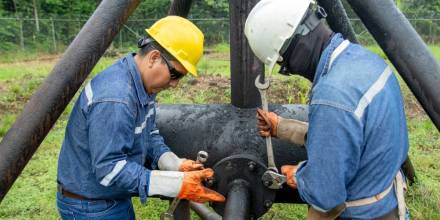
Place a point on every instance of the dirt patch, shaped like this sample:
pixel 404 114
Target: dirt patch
pixel 2 88
pixel 211 88
pixel 211 55
pixel 44 59
pixel 413 108
pixel 3 91
pixel 217 89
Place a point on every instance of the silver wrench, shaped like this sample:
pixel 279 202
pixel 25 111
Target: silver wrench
pixel 202 157
pixel 271 178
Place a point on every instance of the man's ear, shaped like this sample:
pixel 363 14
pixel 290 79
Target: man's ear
pixel 152 57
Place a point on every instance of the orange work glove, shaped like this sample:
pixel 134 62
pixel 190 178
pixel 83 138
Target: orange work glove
pixel 267 123
pixel 190 165
pixel 192 188
pixel 290 172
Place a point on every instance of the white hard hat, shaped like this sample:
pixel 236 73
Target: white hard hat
pixel 270 23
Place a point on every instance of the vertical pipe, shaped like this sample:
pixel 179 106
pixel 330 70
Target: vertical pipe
pixel 405 49
pixel 337 19
pixel 180 8
pixel 182 211
pixel 238 201
pixel 46 105
pixel 244 64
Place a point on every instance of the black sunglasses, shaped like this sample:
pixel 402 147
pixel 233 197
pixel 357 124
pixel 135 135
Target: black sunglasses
pixel 174 74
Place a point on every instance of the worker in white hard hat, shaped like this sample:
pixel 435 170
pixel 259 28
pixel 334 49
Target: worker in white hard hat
pixel 356 136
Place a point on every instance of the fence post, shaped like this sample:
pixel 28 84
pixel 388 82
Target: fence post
pixel 431 39
pixel 53 34
pixel 20 21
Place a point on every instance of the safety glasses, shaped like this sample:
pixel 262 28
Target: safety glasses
pixel 174 74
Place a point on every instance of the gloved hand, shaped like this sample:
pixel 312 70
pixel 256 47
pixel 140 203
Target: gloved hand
pixel 170 161
pixel 190 165
pixel 290 172
pixel 267 123
pixel 192 188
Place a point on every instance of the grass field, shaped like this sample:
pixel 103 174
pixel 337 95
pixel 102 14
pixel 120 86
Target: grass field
pixel 33 194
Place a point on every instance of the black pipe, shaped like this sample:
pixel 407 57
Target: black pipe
pixel 405 49
pixel 238 201
pixel 180 8
pixel 223 131
pixel 337 19
pixel 182 211
pixel 245 66
pixel 46 105
pixel 204 212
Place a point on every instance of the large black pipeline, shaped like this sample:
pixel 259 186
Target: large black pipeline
pixel 223 131
pixel 46 105
pixel 337 19
pixel 405 49
pixel 238 201
pixel 245 66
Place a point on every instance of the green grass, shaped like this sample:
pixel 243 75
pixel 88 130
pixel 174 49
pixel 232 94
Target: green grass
pixel 33 194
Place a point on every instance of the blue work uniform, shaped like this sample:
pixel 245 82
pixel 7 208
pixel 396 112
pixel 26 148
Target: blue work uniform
pixel 110 136
pixel 357 138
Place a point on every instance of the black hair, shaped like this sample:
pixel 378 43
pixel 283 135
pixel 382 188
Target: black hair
pixel 147 44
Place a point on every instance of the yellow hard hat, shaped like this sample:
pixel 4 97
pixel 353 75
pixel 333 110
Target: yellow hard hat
pixel 181 38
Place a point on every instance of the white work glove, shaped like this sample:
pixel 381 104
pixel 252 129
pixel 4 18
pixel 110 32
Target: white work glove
pixel 170 161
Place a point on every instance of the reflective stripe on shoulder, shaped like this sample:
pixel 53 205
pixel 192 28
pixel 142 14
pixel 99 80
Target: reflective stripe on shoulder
pixel 155 131
pixel 89 93
pixel 338 51
pixel 139 129
pixel 372 92
pixel 116 169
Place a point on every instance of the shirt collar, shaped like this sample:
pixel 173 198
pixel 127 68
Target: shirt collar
pixel 324 61
pixel 143 96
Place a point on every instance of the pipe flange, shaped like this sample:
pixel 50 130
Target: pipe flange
pixel 250 169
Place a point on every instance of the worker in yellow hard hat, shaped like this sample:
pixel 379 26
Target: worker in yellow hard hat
pixel 112 149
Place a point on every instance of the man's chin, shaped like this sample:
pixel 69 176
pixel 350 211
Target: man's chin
pixel 155 91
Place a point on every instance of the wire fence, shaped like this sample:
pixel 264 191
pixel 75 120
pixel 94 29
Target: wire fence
pixel 54 34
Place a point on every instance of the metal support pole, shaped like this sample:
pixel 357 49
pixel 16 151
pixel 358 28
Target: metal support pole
pixel 46 105
pixel 405 49
pixel 20 20
pixel 182 211
pixel 337 19
pixel 244 64
pixel 180 8
pixel 238 201
pixel 54 41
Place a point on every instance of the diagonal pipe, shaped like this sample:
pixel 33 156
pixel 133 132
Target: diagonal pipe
pixel 405 49
pixel 47 104
pixel 338 19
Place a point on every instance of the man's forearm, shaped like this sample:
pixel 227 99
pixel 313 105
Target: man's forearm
pixel 292 130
